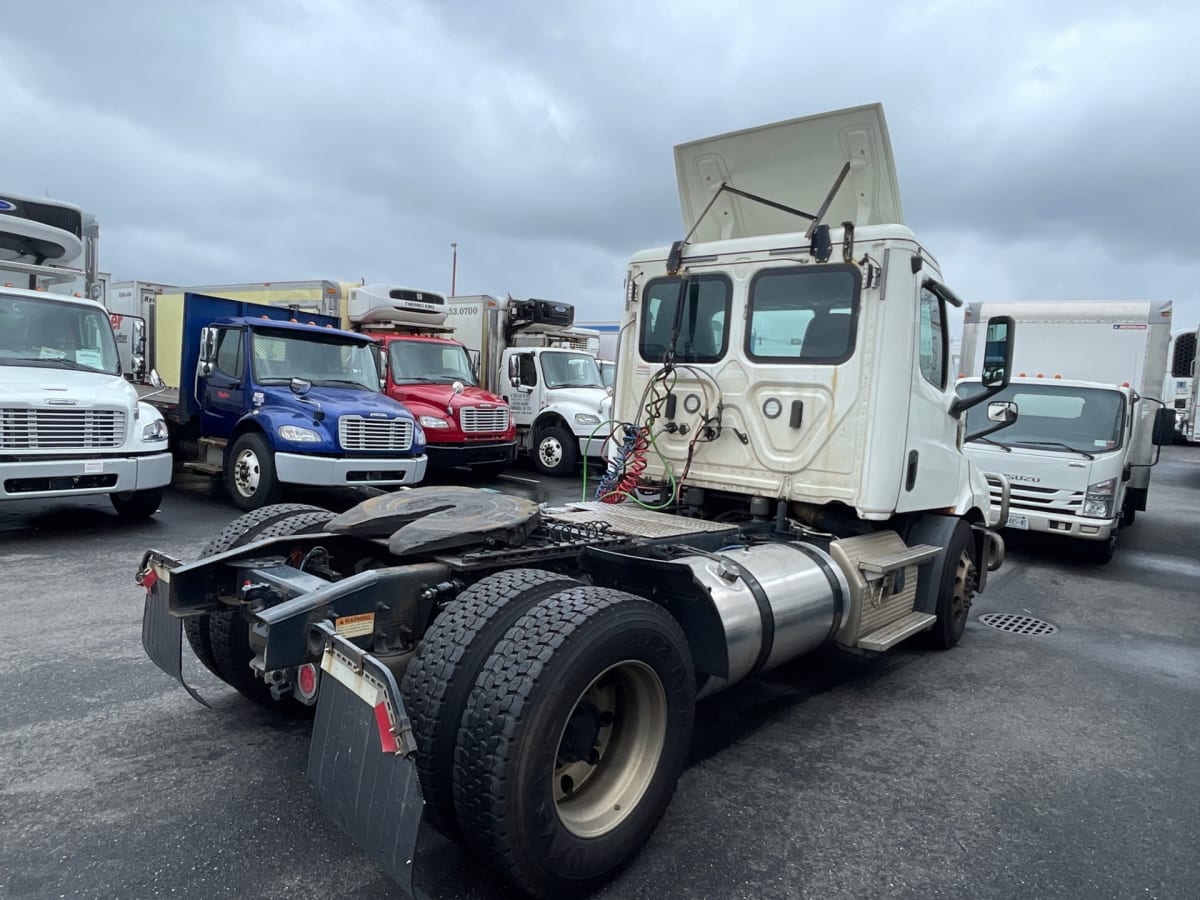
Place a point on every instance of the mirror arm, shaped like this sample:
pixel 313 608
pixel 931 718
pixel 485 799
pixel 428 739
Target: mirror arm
pixel 991 429
pixel 962 404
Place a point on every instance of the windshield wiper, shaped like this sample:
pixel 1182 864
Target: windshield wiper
pixel 1058 444
pixel 357 384
pixel 988 440
pixel 417 380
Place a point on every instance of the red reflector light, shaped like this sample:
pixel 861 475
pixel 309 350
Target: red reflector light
pixel 306 680
pixel 387 740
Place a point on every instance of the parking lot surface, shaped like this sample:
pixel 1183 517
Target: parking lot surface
pixel 1063 765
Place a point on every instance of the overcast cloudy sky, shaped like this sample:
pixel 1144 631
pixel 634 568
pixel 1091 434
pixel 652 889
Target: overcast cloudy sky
pixel 1043 149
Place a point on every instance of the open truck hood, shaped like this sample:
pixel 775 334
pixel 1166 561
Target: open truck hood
pixel 795 163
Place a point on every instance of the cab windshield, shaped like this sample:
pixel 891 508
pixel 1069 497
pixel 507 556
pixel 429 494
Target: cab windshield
pixel 428 362
pixel 565 369
pixel 1054 416
pixel 279 356
pixel 53 334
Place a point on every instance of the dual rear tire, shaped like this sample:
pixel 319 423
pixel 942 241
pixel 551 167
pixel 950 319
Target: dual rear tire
pixel 568 710
pixel 221 639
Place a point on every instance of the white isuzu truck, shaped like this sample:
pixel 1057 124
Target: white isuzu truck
pixel 530 353
pixel 524 678
pixel 70 424
pixel 1089 391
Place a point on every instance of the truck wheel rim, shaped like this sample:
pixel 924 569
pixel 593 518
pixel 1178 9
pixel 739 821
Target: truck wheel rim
pixel 609 748
pixel 964 591
pixel 246 472
pixel 551 451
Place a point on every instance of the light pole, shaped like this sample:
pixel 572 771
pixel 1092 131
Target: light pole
pixel 453 267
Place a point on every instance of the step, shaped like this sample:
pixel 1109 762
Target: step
pixel 212 442
pixel 875 567
pixel 202 468
pixel 890 635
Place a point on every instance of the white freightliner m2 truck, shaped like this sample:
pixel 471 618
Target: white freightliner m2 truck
pixel 70 424
pixel 1089 392
pixel 524 678
pixel 531 354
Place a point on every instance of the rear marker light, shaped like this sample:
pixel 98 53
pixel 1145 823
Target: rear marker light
pixel 306 681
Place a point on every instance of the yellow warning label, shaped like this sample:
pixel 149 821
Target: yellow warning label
pixel 355 626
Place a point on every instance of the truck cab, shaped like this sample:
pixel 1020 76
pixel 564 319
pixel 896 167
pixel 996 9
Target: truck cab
pixel 70 424
pixel 465 425
pixel 557 393
pixel 435 377
pixel 1067 458
pixel 777 358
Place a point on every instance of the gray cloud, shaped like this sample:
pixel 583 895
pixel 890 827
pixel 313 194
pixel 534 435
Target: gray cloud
pixel 1043 149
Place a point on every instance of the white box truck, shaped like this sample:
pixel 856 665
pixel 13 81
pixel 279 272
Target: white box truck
pixel 70 424
pixel 1088 387
pixel 529 352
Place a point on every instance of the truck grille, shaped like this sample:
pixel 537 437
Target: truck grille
pixel 63 429
pixel 1040 499
pixel 476 419
pixel 357 433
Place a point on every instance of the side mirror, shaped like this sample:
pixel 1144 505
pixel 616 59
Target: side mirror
pixel 1163 434
pixel 1001 414
pixel 514 371
pixel 998 352
pixel 208 344
pixel 997 363
pixel 300 386
pixel 1002 411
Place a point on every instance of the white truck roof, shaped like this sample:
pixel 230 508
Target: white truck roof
pixel 796 163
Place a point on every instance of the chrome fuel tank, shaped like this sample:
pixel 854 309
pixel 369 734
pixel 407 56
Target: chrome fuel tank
pixel 776 602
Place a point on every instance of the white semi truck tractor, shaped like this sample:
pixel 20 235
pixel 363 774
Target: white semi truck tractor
pixel 524 678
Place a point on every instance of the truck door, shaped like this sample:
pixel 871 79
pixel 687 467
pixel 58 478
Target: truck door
pixel 931 460
pixel 523 401
pixel 222 395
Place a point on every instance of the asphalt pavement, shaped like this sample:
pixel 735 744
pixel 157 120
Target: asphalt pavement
pixel 1063 765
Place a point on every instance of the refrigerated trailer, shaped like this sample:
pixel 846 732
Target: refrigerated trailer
pixel 1089 390
pixel 523 678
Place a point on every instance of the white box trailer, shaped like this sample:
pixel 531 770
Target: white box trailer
pixel 1089 382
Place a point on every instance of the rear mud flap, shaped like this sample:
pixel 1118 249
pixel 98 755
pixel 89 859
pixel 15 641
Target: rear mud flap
pixel 162 635
pixel 374 796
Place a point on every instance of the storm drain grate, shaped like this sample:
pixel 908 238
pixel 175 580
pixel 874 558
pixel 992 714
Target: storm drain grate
pixel 1015 624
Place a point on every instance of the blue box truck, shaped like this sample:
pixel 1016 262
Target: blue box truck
pixel 265 396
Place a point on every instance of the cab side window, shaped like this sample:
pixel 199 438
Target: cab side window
pixel 934 341
pixel 229 352
pixel 528 369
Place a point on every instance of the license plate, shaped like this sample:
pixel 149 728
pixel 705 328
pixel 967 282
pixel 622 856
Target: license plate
pixel 1016 520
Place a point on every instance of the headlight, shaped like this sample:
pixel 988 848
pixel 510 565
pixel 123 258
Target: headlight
pixel 1098 503
pixel 298 435
pixel 586 419
pixel 155 431
pixel 433 422
pixel 419 435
